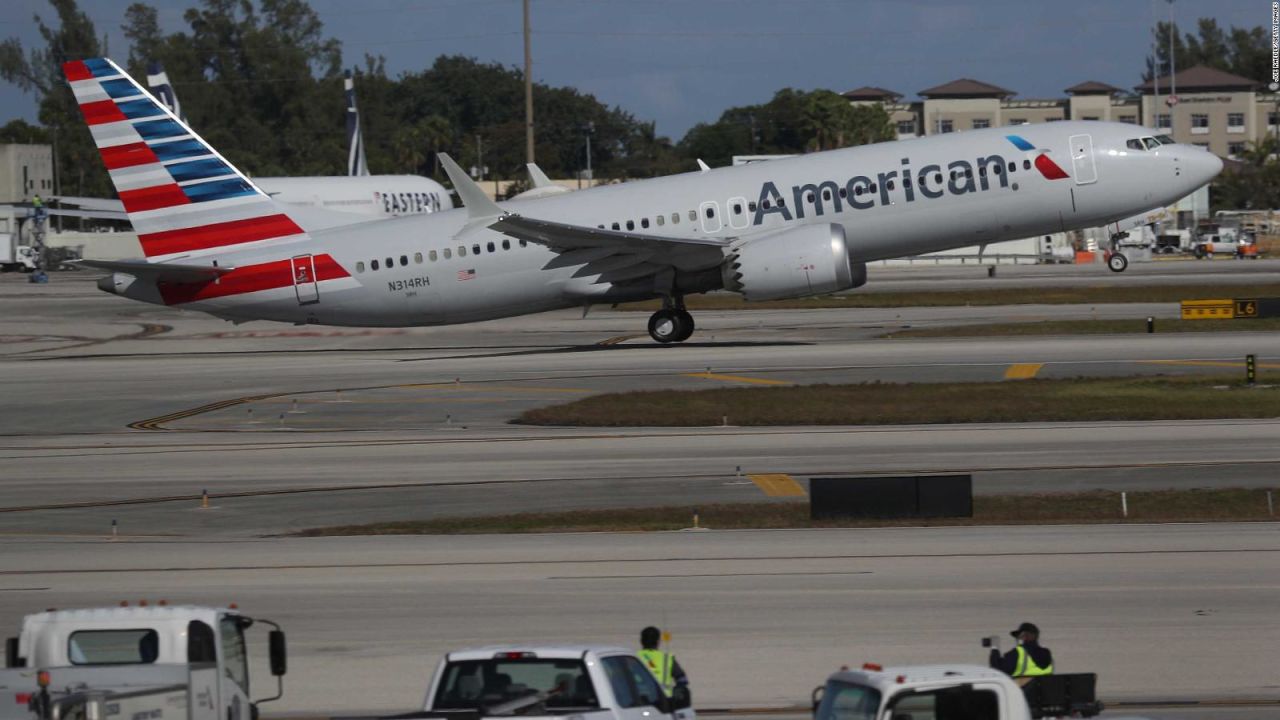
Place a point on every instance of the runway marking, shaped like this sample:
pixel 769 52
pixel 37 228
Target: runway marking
pixel 778 485
pixel 1022 371
pixel 737 379
pixel 755 559
pixel 1209 363
pixel 705 575
pixel 617 340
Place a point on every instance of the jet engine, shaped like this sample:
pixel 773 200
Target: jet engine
pixel 803 261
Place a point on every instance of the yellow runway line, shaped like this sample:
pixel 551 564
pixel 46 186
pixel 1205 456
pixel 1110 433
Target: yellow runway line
pixel 1022 371
pixel 736 378
pixel 778 485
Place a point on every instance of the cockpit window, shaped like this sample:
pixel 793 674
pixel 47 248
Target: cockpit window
pixel 1151 143
pixel 1164 140
pixel 1134 144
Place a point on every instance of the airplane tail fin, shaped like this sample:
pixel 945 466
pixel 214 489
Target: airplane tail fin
pixel 158 81
pixel 356 163
pixel 184 199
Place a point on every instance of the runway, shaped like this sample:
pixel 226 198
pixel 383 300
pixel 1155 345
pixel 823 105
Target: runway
pixel 1172 612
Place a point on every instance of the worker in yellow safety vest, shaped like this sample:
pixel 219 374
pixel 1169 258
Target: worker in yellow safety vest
pixel 663 665
pixel 1028 658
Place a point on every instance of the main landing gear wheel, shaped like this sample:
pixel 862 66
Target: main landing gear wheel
pixel 668 326
pixel 1117 262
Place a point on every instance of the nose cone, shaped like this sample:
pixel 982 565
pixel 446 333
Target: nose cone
pixel 1202 165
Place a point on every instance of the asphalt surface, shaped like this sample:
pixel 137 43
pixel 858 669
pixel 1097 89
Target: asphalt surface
pixel 1168 612
pixel 114 411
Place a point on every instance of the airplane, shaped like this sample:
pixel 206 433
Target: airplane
pixel 356 192
pixel 214 241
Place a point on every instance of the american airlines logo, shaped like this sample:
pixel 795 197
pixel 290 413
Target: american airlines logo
pixel 862 192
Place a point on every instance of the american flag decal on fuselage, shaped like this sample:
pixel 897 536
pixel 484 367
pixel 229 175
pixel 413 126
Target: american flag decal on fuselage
pixel 183 198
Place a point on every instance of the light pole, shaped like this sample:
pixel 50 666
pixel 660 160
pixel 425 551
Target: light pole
pixel 1173 69
pixel 528 87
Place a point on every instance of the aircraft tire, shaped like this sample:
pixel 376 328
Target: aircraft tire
pixel 686 325
pixel 1117 262
pixel 665 326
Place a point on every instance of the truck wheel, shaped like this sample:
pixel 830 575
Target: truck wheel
pixel 1117 262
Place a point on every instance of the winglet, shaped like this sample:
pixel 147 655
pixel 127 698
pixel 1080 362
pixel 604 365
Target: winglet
pixel 703 167
pixel 479 206
pixel 537 177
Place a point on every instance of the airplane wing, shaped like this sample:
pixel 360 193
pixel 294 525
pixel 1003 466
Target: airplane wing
pixel 163 272
pixel 563 236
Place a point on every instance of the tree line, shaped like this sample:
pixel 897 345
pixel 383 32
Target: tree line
pixel 262 82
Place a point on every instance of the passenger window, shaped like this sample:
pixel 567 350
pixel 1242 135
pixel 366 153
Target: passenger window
pixel 491 247
pixel 462 251
pixel 675 218
pixel 1026 164
pixel 1013 167
pixel 523 243
pixel 432 256
pixel 475 249
pixel 711 212
pixel 417 258
pixel 766 204
pixel 937 178
pixel 447 253
pixel 615 226
pixel 857 190
pixel 506 244
pixel 360 267
pixel 661 219
pixel 751 206
pixel 737 208
pixel 809 197
pixel 373 264
pixel 889 185
pixel 693 216
pixel 631 224
pixel 391 262
pixel 404 260
pixel 644 222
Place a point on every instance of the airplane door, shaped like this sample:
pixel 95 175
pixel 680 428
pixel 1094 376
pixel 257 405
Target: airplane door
pixel 304 279
pixel 1082 165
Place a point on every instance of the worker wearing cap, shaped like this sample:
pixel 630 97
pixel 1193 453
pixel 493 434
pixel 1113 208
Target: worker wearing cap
pixel 1027 658
pixel 662 665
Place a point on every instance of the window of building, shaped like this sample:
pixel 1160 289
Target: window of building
pixel 432 256
pixel 1204 145
pixel 1199 123
pixel 1018 121
pixel 417 258
pixel 360 267
pixel 1131 119
pixel 1273 119
pixel 1235 122
pixel 1162 120
pixel 1090 117
pixel 1053 119
pixel 906 127
pixel 981 123
pixel 1235 148
pixel 945 126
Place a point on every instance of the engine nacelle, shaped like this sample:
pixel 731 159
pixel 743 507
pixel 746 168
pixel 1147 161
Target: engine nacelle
pixel 803 261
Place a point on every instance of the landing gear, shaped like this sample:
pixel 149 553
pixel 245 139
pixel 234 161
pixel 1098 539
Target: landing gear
pixel 1117 262
pixel 671 324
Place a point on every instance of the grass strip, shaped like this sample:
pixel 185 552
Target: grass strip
pixel 1088 327
pixel 1080 295
pixel 1078 399
pixel 1098 506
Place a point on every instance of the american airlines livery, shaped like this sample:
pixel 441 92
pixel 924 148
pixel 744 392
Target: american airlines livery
pixel 215 242
pixel 356 192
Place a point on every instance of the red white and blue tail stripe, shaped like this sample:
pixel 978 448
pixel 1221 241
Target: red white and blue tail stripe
pixel 183 198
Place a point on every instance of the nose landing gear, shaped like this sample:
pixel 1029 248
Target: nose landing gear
pixel 672 323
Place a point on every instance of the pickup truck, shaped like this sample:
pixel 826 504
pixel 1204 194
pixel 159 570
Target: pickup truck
pixel 951 692
pixel 156 662
pixel 589 682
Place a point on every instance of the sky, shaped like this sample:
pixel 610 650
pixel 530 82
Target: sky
pixel 681 62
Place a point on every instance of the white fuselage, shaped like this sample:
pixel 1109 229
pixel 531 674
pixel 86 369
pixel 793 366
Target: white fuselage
pixel 436 268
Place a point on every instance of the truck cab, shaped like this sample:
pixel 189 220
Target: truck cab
pixel 585 681
pixel 130 649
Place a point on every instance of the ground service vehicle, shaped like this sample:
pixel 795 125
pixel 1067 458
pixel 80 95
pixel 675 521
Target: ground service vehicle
pixel 585 681
pixel 130 663
pixel 951 692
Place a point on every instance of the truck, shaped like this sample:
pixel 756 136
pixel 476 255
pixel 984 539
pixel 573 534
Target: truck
pixel 154 662
pixel 952 692
pixel 587 682
pixel 15 257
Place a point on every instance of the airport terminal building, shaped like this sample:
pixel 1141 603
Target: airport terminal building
pixel 1210 108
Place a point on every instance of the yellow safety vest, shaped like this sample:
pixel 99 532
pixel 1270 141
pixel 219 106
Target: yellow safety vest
pixel 1027 667
pixel 660 665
